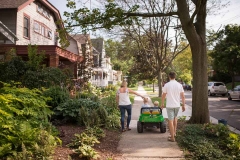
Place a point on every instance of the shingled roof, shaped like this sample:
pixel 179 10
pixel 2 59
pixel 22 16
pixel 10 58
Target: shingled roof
pixel 11 3
pixel 98 44
pixel 81 38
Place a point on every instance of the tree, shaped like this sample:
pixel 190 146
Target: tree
pixel 226 53
pixel 193 23
pixel 182 65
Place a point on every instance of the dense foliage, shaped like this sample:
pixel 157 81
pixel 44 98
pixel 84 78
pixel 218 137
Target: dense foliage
pixel 32 74
pixel 209 142
pixel 226 53
pixel 25 130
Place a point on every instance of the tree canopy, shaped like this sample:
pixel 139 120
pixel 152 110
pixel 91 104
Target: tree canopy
pixel 226 53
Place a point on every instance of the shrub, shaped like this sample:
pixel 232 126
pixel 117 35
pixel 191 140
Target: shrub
pixel 12 70
pixel 209 141
pixel 95 131
pixel 25 130
pixel 78 110
pixel 82 144
pixel 57 94
pixel 86 95
pixel 45 77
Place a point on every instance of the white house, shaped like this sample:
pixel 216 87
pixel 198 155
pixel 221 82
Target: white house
pixel 103 74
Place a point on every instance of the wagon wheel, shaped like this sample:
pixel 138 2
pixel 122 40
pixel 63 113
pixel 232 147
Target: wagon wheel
pixel 163 127
pixel 139 127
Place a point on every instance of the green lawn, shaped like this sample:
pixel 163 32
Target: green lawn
pixel 229 85
pixel 132 98
pixel 133 88
pixel 158 99
pixel 148 88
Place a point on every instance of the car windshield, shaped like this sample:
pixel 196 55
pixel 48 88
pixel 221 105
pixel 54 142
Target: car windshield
pixel 218 84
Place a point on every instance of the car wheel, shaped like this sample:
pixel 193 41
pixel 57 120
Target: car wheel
pixel 163 127
pixel 139 127
pixel 229 97
pixel 209 93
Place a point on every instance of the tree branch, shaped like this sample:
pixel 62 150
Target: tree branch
pixel 196 11
pixel 150 14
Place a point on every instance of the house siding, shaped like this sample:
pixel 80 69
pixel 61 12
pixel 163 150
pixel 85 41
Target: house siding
pixel 73 47
pixel 35 38
pixel 8 18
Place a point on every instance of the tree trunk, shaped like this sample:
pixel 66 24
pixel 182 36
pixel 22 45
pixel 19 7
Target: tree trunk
pixel 233 81
pixel 200 112
pixel 196 35
pixel 160 84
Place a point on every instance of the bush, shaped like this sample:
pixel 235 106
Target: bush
pixel 209 141
pixel 78 110
pixel 58 96
pixel 45 77
pixel 12 70
pixel 25 129
pixel 82 144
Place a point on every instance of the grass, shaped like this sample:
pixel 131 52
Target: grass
pixel 229 85
pixel 131 96
pixel 133 88
pixel 148 88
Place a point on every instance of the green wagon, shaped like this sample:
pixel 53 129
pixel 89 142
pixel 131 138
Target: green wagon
pixel 150 117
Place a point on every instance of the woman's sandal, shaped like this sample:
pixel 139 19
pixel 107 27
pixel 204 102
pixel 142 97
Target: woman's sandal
pixel 170 139
pixel 123 130
pixel 128 129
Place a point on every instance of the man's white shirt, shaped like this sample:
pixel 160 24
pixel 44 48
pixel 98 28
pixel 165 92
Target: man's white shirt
pixel 173 90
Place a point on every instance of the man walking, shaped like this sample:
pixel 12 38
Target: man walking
pixel 173 91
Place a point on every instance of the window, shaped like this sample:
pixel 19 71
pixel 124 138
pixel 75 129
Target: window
pixel 26 26
pixel 219 84
pixel 49 34
pixel 42 29
pixel 37 27
pixel 39 8
pixel 43 11
pixel 48 15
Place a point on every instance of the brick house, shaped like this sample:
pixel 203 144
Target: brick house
pixel 24 22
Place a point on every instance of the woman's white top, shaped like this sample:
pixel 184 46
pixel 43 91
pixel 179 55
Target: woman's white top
pixel 123 98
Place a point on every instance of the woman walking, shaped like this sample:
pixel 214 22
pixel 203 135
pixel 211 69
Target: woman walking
pixel 124 103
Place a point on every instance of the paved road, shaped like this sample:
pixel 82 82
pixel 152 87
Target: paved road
pixel 221 108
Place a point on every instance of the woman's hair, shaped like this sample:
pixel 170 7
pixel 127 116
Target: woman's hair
pixel 124 84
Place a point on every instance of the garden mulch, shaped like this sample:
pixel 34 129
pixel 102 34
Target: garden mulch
pixel 107 149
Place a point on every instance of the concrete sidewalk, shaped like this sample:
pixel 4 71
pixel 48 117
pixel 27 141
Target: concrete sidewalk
pixel 151 144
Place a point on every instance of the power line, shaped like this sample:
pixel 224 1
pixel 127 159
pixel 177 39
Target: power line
pixel 230 19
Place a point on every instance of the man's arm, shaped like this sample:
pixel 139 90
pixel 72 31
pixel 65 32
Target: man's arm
pixel 163 100
pixel 183 101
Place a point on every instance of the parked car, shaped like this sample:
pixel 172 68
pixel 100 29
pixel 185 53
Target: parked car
pixel 234 94
pixel 217 88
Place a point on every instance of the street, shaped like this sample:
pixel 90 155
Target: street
pixel 221 108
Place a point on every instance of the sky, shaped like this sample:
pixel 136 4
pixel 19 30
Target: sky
pixel 226 15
